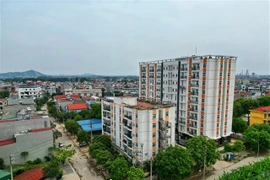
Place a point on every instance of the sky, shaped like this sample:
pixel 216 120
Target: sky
pixel 112 37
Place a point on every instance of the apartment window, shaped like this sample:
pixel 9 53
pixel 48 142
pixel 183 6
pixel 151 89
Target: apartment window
pixel 201 133
pixel 228 74
pixel 226 107
pixel 219 91
pixel 228 82
pixel 265 115
pixel 264 121
pixel 220 83
pixel 229 65
pixel 202 108
pixel 136 115
pixel 154 144
pixel 154 116
pixel 202 117
pixel 217 124
pixel 204 74
pixel 218 99
pixel 154 125
pixel 202 100
pixel 167 114
pixel 220 74
pixel 153 154
pixel 154 134
pixel 221 65
pixel 203 91
pixel 201 124
pixel 227 91
pixel 225 123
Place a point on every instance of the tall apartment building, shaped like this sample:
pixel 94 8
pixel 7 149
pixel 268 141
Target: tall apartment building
pixel 201 86
pixel 138 128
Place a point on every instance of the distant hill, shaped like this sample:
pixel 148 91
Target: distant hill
pixel 25 74
pixel 35 74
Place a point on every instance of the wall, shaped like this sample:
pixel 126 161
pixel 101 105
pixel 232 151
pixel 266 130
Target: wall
pixel 259 117
pixel 36 144
pixel 9 129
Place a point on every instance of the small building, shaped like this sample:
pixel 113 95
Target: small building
pixel 29 91
pixel 5 175
pixel 90 125
pixel 76 107
pixel 260 115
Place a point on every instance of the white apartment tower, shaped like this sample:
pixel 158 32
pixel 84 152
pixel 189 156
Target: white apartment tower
pixel 137 127
pixel 201 86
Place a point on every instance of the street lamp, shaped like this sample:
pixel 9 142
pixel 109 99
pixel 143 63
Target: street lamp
pixel 258 147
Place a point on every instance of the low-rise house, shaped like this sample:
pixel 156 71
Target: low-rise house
pixel 260 115
pixel 76 107
pixel 29 92
pixel 33 136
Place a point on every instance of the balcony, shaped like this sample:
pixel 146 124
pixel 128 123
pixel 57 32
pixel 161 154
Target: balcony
pixel 183 77
pixel 128 116
pixel 193 109
pixel 194 117
pixel 106 122
pixel 128 134
pixel 196 68
pixel 194 85
pixel 106 108
pixel 194 102
pixel 182 121
pixel 143 69
pixel 106 129
pixel 183 69
pixel 194 93
pixel 128 126
pixel 158 69
pixel 151 70
pixel 196 77
pixel 143 76
pixel 193 126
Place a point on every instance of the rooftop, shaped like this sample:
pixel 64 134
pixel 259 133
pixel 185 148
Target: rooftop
pixel 29 86
pixel 190 57
pixel 76 106
pixel 32 174
pixel 262 109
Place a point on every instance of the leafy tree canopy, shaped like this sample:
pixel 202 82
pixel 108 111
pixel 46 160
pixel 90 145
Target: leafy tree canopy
pixel 239 125
pixel 259 133
pixel 104 139
pixel 96 110
pixel 72 126
pixel 4 94
pixel 82 136
pixel 2 164
pixel 174 163
pixel 78 117
pixel 103 156
pixel 135 174
pixel 118 168
pixel 198 146
pixel 238 146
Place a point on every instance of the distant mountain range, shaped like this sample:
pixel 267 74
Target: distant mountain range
pixel 35 74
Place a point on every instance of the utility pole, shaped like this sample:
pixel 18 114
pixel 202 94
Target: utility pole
pixel 151 167
pixel 204 163
pixel 11 161
pixel 91 125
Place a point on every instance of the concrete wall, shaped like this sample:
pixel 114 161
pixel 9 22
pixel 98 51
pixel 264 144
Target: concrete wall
pixel 36 144
pixel 9 129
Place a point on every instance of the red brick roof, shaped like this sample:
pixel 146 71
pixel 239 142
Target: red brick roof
pixel 8 141
pixel 41 130
pixel 32 174
pixel 74 96
pixel 262 109
pixel 60 97
pixel 76 106
pixel 7 121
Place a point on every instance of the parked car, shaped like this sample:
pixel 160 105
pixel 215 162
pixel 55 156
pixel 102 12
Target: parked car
pixel 83 144
pixel 61 144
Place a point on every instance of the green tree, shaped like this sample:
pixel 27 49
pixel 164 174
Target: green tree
pixel 2 163
pixel 4 94
pixel 96 110
pixel 118 168
pixel 78 117
pixel 95 148
pixel 51 170
pixel 104 139
pixel 239 125
pixel 103 156
pixel 258 133
pixel 174 163
pixel 238 146
pixel 60 115
pixel 82 136
pixel 135 174
pixel 237 109
pixel 24 154
pixel 72 126
pixel 199 146
pixel 228 147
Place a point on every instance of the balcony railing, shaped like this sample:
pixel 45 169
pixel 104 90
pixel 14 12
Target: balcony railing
pixel 196 68
pixel 183 77
pixel 194 102
pixel 194 117
pixel 183 69
pixel 128 135
pixel 195 93
pixel 194 110
pixel 128 126
pixel 195 77
pixel 143 76
pixel 195 85
pixel 107 123
pixel 128 116
pixel 106 108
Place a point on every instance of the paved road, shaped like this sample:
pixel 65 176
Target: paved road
pixel 79 161
pixel 216 174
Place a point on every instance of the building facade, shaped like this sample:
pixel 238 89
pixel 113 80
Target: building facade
pixel 138 128
pixel 201 86
pixel 34 136
pixel 260 115
pixel 29 92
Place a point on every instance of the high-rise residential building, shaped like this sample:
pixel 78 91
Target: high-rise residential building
pixel 201 86
pixel 137 127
